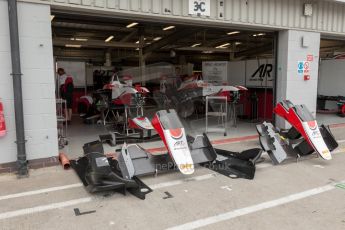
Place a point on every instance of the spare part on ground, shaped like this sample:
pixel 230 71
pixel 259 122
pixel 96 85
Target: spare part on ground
pixel 134 125
pixel 100 173
pixel 65 162
pixel 303 138
pixel 137 129
pixel 272 142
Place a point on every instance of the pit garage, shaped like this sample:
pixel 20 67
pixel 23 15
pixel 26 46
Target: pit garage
pixel 330 100
pixel 172 117
pixel 160 57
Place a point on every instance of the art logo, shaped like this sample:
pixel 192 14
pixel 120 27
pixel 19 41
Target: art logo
pixel 264 71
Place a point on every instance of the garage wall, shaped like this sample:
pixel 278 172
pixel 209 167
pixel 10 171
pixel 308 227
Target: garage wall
pixel 327 16
pixel 38 82
pixel 332 78
pixel 77 70
pixel 291 85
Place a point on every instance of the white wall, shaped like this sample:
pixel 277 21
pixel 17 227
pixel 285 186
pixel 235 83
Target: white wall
pixel 328 15
pixel 77 70
pixel 38 82
pixel 290 84
pixel 332 78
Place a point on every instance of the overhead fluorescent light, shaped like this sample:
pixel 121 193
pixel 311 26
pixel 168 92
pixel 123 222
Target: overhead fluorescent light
pixel 79 39
pixel 238 43
pixel 195 45
pixel 148 43
pixel 168 27
pixel 72 46
pixel 137 42
pixel 109 38
pixel 132 24
pixel 223 46
pixel 259 34
pixel 52 17
pixel 137 49
pixel 233 32
pixel 157 38
pixel 207 52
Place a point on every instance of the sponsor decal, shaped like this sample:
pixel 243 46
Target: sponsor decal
pixel 325 151
pixel 176 133
pixel 179 145
pixel 312 125
pixel 186 166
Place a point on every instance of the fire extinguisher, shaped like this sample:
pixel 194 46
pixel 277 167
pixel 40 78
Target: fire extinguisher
pixel 2 121
pixel 343 110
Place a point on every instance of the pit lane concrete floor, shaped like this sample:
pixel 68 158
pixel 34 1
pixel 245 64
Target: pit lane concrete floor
pixel 293 195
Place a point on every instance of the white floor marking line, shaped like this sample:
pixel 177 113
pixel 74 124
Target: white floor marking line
pixel 341 141
pixel 251 209
pixel 227 188
pixel 40 191
pixel 177 182
pixel 43 208
pixel 58 188
pixel 263 165
pixel 319 166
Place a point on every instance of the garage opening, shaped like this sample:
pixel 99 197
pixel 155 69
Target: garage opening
pixel 331 82
pixel 219 80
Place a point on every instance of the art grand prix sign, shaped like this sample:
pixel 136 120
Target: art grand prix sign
pixel 259 73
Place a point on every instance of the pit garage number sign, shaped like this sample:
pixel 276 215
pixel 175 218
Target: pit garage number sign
pixel 199 7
